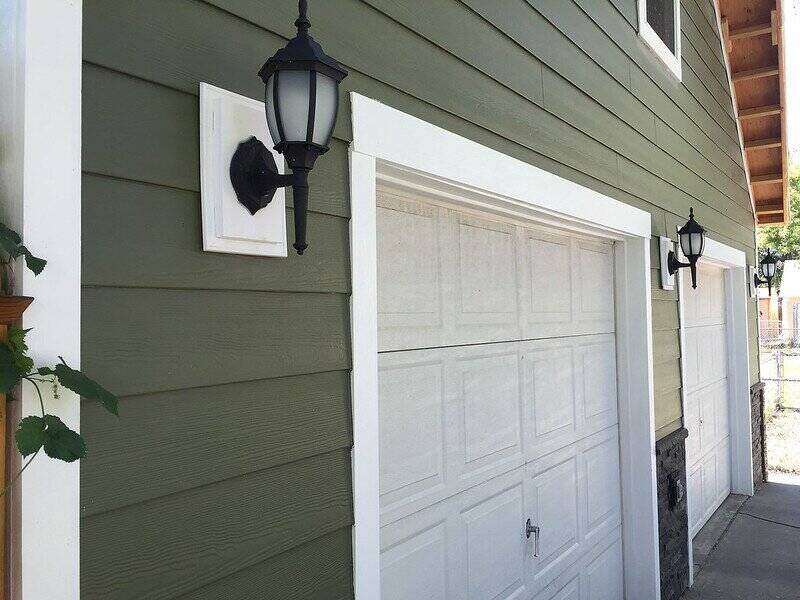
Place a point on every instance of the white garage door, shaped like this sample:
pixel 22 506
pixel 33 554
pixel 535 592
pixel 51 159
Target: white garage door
pixel 708 457
pixel 498 404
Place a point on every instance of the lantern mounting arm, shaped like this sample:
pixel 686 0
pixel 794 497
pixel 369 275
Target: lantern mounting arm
pixel 673 264
pixel 255 179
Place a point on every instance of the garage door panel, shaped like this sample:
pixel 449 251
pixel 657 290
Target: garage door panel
pixel 487 390
pixel 595 287
pixel 600 471
pixel 496 569
pixel 603 575
pixel 498 403
pixel 549 386
pixel 707 395
pixel 448 277
pixel 695 498
pixel 705 304
pixel 486 279
pixel 597 358
pixel 555 503
pixel 545 255
pixel 416 567
pixel 570 390
pixel 410 294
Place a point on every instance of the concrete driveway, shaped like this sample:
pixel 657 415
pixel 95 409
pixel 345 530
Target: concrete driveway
pixel 758 555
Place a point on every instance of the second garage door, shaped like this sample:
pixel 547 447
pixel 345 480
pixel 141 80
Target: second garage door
pixel 499 449
pixel 708 456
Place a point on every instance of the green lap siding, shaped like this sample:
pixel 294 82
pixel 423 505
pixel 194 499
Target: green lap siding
pixel 228 472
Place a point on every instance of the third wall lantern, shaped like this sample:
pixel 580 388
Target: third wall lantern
pixel 302 100
pixel 691 238
pixel 768 268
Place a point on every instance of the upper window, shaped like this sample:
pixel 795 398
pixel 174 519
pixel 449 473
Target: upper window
pixel 660 27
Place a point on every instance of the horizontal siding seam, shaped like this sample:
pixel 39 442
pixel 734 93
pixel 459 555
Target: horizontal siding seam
pixel 347 368
pixel 599 103
pixel 97 286
pixel 567 123
pixel 227 383
pixel 187 595
pixel 543 107
pixel 445 111
pixel 165 186
pixel 91 515
pixel 665 92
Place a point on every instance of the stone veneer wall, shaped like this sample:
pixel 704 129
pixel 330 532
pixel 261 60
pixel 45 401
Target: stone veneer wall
pixel 759 436
pixel 673 518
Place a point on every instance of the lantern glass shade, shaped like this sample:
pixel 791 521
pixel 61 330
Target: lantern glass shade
pixel 692 244
pixel 288 106
pixel 325 108
pixel 768 268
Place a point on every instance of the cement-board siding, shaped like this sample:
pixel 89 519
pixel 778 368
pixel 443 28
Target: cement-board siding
pixel 228 472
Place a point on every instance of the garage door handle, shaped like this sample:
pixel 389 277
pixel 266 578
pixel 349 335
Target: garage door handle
pixel 530 528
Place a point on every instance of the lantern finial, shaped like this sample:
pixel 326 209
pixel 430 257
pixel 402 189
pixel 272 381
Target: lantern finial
pixel 302 23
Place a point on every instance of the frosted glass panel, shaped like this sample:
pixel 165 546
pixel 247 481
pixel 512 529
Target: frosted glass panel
pixel 269 101
pixel 325 109
pixel 293 95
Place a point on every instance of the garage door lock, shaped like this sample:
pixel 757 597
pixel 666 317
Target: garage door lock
pixel 530 528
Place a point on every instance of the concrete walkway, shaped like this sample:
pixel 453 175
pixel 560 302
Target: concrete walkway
pixel 755 553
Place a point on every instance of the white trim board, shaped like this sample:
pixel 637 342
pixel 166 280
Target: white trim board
pixel 40 179
pixel 393 146
pixel 656 44
pixel 737 293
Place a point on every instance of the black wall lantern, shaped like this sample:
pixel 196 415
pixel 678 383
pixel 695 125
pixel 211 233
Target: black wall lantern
pixel 691 237
pixel 302 99
pixel 768 267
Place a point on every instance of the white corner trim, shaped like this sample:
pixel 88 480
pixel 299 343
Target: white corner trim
pixel 393 146
pixel 656 44
pixel 40 177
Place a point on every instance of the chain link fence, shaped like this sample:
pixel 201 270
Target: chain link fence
pixel 780 365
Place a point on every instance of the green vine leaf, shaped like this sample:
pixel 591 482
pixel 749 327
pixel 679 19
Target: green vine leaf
pixel 30 435
pixel 12 244
pixel 61 442
pixel 83 386
pixel 10 372
pixel 19 349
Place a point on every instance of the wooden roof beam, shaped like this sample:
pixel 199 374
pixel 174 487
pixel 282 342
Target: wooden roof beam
pixel 751 31
pixel 771 211
pixel 769 71
pixel 760 111
pixel 763 144
pixel 765 179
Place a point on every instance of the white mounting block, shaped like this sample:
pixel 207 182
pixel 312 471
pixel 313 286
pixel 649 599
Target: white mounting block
pixel 666 245
pixel 225 120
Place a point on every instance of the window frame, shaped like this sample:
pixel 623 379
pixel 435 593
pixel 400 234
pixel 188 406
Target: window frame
pixel 655 43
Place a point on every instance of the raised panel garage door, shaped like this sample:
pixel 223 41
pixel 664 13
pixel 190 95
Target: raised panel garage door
pixel 708 457
pixel 498 405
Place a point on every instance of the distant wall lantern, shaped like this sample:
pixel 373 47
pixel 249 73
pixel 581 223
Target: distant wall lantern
pixel 691 238
pixel 302 100
pixel 768 268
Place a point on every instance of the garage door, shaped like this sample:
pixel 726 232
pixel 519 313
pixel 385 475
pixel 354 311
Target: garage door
pixel 498 408
pixel 708 456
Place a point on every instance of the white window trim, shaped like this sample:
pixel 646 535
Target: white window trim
pixel 737 294
pixel 388 144
pixel 651 38
pixel 40 123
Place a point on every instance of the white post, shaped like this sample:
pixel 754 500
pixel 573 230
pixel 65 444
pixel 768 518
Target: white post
pixel 40 170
